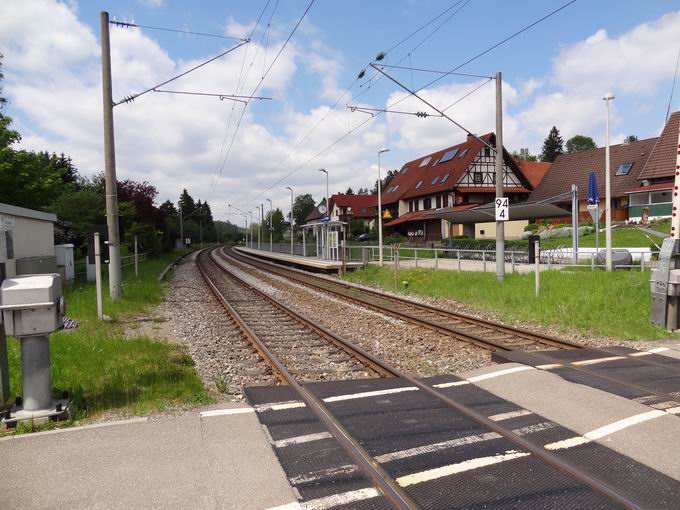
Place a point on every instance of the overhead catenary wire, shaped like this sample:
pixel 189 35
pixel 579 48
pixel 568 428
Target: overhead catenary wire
pixel 471 59
pixel 419 69
pixel 333 108
pixel 257 87
pixel 128 24
pixel 232 97
pixel 132 97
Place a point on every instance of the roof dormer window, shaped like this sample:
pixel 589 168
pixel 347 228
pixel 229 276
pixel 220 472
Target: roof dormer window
pixel 425 161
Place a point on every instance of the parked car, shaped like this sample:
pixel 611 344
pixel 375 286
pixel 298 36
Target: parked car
pixel 363 237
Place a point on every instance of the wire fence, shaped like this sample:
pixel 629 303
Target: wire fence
pixel 80 266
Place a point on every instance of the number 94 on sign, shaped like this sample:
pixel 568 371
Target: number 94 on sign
pixel 502 209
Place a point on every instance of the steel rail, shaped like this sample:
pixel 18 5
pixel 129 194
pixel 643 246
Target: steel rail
pixel 378 476
pixel 565 466
pixel 465 336
pixel 375 364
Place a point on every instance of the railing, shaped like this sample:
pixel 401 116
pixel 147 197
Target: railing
pixel 473 259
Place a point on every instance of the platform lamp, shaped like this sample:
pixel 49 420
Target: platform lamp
pixel 271 225
pixel 380 234
pixel 291 219
pixel 607 187
pixel 327 253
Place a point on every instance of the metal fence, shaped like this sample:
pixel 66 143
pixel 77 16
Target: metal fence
pixel 80 266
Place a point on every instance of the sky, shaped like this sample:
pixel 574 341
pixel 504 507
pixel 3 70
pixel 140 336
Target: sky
pixel 554 73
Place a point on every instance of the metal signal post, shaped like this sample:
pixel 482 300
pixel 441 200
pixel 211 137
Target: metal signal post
pixel 500 225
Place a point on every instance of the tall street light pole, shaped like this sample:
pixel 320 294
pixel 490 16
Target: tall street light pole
pixel 327 252
pixel 115 271
pixel 380 236
pixel 271 224
pixel 607 189
pixel 291 219
pixel 259 228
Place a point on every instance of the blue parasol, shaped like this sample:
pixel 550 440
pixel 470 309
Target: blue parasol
pixel 593 195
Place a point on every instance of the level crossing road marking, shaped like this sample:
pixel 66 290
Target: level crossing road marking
pixel 595 361
pixel 511 414
pixel 308 438
pixel 366 394
pixel 459 467
pixel 226 412
pixel 605 430
pixel 343 498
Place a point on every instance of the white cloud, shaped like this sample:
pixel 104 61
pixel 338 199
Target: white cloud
pixel 152 3
pixel 235 29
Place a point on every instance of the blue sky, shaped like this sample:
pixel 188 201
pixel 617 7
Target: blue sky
pixel 555 73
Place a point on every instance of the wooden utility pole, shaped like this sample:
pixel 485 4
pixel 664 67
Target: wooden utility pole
pixel 500 226
pixel 115 273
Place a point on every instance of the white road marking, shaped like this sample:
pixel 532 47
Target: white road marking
pixel 499 373
pixel 340 499
pixel 366 394
pixel 549 366
pixel 450 384
pixel 435 447
pixel 606 430
pixel 658 349
pixel 595 361
pixel 673 410
pixel 459 467
pixel 288 506
pixel 282 443
pixel 641 353
pixel 322 473
pixel 279 406
pixel 225 412
pixel 509 415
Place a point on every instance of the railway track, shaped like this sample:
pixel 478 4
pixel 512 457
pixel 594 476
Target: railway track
pixel 266 323
pixel 486 334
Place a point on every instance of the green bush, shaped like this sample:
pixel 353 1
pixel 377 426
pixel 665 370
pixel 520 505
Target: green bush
pixel 532 227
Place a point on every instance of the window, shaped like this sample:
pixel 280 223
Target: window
pixel 639 199
pixel 403 170
pixel 416 204
pixel 410 206
pixel 427 203
pixel 477 177
pixel 435 162
pixel 624 169
pixel 439 201
pixel 425 162
pixel 449 155
pixel 487 152
pixel 434 181
pixel 393 188
pixel 419 184
pixel 445 178
pixel 661 197
pixel 462 154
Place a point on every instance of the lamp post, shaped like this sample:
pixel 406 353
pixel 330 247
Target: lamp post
pixel 245 216
pixel 271 224
pixel 326 251
pixel 259 227
pixel 380 236
pixel 607 187
pixel 291 219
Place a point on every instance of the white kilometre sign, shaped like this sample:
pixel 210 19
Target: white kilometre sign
pixel 502 208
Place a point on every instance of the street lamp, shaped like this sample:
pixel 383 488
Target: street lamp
pixel 260 210
pixel 291 218
pixel 607 187
pixel 380 236
pixel 328 213
pixel 270 224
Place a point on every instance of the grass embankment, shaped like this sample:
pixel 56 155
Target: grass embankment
pixel 103 369
pixel 622 237
pixel 598 303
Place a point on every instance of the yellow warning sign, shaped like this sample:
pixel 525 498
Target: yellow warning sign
pixel 387 215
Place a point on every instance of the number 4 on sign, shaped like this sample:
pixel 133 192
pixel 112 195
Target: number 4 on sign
pixel 502 209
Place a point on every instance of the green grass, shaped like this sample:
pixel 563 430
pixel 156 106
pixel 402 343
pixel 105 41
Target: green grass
pixel 101 368
pixel 622 237
pixel 606 304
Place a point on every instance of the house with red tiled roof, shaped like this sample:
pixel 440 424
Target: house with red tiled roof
pixel 627 159
pixel 456 178
pixel 361 210
pixel 652 197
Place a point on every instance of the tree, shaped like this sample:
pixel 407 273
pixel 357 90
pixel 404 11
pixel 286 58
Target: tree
pixel 630 138
pixel 302 206
pixel 385 181
pixel 525 155
pixel 349 191
pixel 580 143
pixel 186 203
pixel 553 146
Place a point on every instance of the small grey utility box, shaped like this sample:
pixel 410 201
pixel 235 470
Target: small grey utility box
pixel 32 304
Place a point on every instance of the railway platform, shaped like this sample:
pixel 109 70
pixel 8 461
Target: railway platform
pixel 308 263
